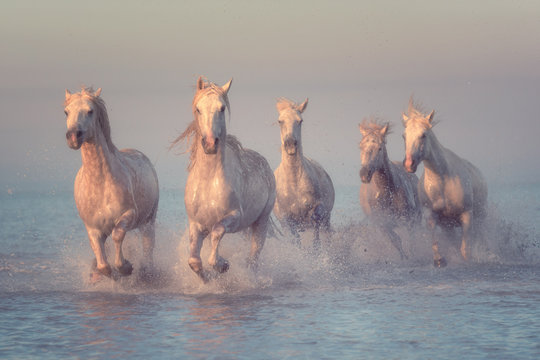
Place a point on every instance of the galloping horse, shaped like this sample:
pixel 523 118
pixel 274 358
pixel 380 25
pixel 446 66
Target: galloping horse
pixel 388 194
pixel 451 188
pixel 115 190
pixel 229 188
pixel 305 193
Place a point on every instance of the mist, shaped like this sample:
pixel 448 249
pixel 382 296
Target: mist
pixel 475 64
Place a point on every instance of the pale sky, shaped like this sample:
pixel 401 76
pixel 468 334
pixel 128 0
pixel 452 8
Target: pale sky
pixel 477 63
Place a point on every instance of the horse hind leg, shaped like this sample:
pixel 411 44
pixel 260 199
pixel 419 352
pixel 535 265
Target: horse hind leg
pixel 466 218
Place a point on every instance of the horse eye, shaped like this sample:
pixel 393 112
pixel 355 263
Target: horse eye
pixel 65 112
pixel 90 112
pixel 222 108
pixel 197 110
pixel 423 136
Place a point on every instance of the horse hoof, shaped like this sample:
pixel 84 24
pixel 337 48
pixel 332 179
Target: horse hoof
pixel 96 277
pixel 126 268
pixel 440 263
pixel 196 266
pixel 221 266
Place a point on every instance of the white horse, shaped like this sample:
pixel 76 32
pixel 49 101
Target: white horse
pixel 229 188
pixel 388 194
pixel 305 193
pixel 115 190
pixel 451 188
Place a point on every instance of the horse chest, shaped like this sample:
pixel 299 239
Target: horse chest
pixel 445 196
pixel 100 204
pixel 209 200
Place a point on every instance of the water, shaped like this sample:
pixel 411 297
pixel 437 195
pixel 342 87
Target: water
pixel 355 299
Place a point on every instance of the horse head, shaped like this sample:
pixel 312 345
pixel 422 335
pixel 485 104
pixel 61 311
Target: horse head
pixel 372 148
pixel 417 130
pixel 290 123
pixel 209 107
pixel 81 113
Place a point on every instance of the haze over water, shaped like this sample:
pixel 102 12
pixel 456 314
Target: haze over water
pixel 474 63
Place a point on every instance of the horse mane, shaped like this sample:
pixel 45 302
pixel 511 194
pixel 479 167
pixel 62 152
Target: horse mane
pixel 283 103
pixel 415 110
pixel 373 126
pixel 101 112
pixel 192 130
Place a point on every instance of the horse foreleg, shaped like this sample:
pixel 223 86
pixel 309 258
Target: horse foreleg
pixel 228 224
pixel 258 237
pixel 196 237
pixel 97 242
pixel 118 234
pixel 318 217
pixel 148 239
pixel 465 226
pixel 438 260
pixel 396 241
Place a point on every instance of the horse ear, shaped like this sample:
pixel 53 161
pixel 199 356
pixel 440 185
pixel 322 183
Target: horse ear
pixel 405 119
pixel 68 94
pixel 384 130
pixel 98 92
pixel 430 116
pixel 226 87
pixel 302 106
pixel 200 83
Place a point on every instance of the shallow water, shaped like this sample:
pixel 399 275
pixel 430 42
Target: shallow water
pixel 355 299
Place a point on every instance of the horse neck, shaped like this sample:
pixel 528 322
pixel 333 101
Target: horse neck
pixel 435 162
pixel 383 176
pixel 99 156
pixel 293 163
pixel 210 165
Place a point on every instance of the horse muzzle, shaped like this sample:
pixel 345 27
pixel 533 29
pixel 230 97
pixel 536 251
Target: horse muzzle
pixel 365 175
pixel 290 145
pixel 74 138
pixel 210 147
pixel 410 164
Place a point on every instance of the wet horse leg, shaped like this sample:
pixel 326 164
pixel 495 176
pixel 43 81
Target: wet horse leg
pixel 438 260
pixel 465 225
pixel 293 227
pixel 97 242
pixel 196 237
pixel 320 218
pixel 227 225
pixel 258 237
pixel 118 234
pixel 396 241
pixel 148 239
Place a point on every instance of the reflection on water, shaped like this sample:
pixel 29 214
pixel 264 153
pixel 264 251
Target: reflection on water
pixel 354 299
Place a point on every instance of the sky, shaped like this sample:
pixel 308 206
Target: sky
pixel 476 63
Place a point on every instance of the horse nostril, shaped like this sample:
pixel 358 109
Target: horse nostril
pixel 79 134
